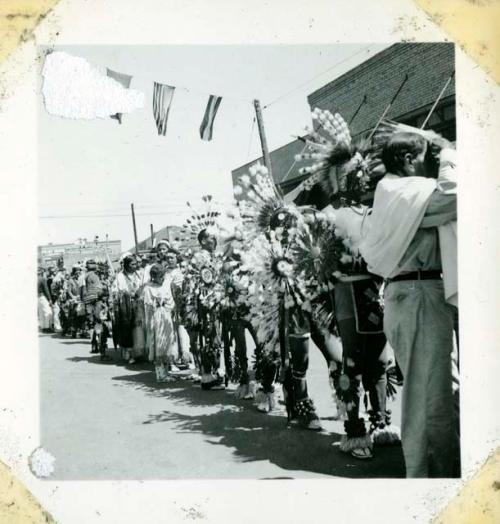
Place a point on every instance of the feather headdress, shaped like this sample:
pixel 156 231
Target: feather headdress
pixel 320 256
pixel 388 128
pixel 204 217
pixel 263 207
pixel 339 163
pixel 278 285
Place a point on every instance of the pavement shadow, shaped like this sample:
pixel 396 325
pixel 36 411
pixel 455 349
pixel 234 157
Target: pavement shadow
pixel 182 392
pixel 93 359
pixel 71 341
pixel 254 436
pixel 114 358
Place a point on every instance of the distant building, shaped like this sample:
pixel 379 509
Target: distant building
pixel 362 94
pixel 69 254
pixel 170 233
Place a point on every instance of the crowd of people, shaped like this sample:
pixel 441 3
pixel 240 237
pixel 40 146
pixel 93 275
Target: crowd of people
pixel 371 280
pixel 63 306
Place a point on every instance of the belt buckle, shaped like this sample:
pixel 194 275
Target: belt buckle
pixel 419 276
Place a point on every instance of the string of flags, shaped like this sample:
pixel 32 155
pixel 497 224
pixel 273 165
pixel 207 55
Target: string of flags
pixel 74 88
pixel 163 95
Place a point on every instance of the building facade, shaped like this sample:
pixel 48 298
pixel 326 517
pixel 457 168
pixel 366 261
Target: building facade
pixel 165 233
pixel 410 75
pixel 69 254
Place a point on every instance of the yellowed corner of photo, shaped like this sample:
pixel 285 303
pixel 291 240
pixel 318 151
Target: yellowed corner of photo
pixel 17 504
pixel 473 25
pixel 18 20
pixel 479 500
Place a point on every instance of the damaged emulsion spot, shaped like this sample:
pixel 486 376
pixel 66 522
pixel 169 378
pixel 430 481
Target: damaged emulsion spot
pixel 41 463
pixel 73 88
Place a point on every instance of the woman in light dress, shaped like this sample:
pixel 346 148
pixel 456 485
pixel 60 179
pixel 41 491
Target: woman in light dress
pixel 158 306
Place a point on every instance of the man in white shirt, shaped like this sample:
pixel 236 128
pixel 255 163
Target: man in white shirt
pixel 402 245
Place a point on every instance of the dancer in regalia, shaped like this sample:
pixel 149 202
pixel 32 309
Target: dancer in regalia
pixel 201 294
pixel 90 290
pixel 235 315
pixel 355 312
pixel 283 328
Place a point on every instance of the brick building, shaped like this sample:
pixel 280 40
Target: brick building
pixel 362 94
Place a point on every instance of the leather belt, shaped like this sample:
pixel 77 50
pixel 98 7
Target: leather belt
pixel 417 275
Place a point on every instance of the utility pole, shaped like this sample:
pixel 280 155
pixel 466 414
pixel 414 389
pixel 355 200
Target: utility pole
pixel 152 236
pixel 262 134
pixel 135 229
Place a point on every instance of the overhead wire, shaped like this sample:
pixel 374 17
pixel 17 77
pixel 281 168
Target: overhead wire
pixel 364 49
pixel 291 91
pixel 251 139
pixel 43 217
pixel 172 204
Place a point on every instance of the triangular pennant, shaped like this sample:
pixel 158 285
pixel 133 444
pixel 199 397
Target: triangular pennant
pixel 124 80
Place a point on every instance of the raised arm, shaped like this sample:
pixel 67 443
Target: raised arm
pixel 442 206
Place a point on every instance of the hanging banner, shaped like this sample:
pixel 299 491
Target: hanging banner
pixel 207 125
pixel 124 80
pixel 162 100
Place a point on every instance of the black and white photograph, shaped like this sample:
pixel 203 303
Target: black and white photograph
pixel 247 262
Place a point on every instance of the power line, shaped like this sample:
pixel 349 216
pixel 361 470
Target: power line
pixel 292 166
pixel 316 76
pixel 251 139
pixel 110 216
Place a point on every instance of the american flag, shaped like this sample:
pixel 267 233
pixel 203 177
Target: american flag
pixel 207 125
pixel 162 100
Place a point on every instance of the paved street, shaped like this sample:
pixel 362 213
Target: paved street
pixel 112 421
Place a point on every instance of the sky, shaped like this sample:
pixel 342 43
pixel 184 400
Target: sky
pixel 89 172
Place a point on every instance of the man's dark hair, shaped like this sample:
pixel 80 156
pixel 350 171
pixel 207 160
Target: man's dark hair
pixel 400 144
pixel 202 235
pixel 127 261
